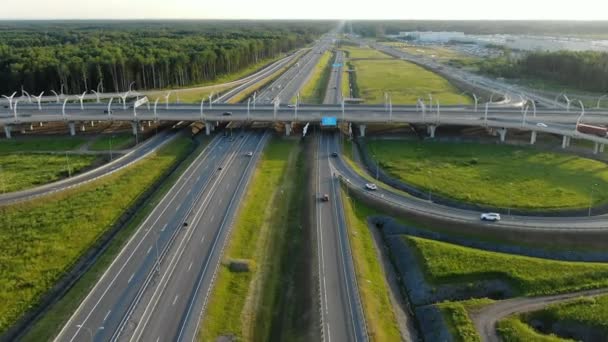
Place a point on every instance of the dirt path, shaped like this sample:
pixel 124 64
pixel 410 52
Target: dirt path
pixel 486 318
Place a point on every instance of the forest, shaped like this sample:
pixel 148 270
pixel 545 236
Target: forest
pixel 78 56
pixel 587 70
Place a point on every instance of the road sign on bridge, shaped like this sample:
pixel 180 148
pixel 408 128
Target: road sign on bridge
pixel 329 121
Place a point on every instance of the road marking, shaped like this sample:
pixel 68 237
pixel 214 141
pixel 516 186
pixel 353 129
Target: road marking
pixel 199 177
pixel 190 266
pixel 203 239
pixel 149 249
pixel 212 217
pixel 158 338
pixel 130 278
pixel 175 300
pixel 189 191
pixel 165 226
pixel 106 316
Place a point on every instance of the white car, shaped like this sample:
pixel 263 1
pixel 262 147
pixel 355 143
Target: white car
pixel 490 217
pixel 249 154
pixel 291 106
pixel 371 186
pixel 540 124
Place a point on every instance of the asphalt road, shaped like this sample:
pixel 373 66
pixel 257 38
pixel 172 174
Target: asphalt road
pixel 341 313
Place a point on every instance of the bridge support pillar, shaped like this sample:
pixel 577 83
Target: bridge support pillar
pixel 533 138
pixel 601 148
pixel 565 141
pixel 134 125
pixel 431 130
pixel 92 123
pixel 7 131
pixel 208 128
pixel 31 127
pixel 72 126
pixel 149 123
pixel 83 128
pixel 287 129
pixel 40 123
pixel 596 148
pixel 502 132
pixel 362 130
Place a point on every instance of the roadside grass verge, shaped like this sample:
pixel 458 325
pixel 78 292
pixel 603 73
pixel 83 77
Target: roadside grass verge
pixel 512 329
pixel 108 142
pixel 456 315
pixel 56 143
pixel 43 238
pixel 495 175
pixel 314 89
pixel 237 305
pixel 365 52
pixel 373 288
pixel 19 171
pixel 404 81
pixel 445 263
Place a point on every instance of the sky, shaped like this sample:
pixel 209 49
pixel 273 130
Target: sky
pixel 308 9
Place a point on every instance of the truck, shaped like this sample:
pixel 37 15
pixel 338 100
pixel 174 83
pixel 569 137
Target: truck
pixel 600 131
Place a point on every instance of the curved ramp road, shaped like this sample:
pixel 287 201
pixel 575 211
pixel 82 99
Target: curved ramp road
pixel 485 320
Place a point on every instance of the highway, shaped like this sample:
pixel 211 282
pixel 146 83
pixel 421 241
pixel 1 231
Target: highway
pixel 341 312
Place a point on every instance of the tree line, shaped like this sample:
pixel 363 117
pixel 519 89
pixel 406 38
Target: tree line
pixel 82 56
pixel 587 70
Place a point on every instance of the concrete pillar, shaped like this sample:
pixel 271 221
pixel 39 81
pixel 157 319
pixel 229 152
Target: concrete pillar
pixel 92 123
pixel 40 123
pixel 564 142
pixel 141 127
pixel 72 126
pixel 83 128
pixel 31 127
pixel 7 131
pixel 596 148
pixel 208 128
pixel 431 130
pixel 503 134
pixel 134 127
pixel 149 123
pixel 533 138
pixel 362 130
pixel 287 129
pixel 601 148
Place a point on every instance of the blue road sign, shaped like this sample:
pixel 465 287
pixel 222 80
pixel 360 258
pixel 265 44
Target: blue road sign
pixel 337 65
pixel 329 121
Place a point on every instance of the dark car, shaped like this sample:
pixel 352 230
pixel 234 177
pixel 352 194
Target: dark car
pixel 334 154
pixel 226 113
pixel 185 224
pixel 107 111
pixel 325 198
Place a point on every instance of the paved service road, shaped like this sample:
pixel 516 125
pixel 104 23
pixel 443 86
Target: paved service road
pixel 341 313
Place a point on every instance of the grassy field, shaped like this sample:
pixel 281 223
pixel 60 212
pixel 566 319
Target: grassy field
pixel 41 144
pixel 447 263
pixel 373 288
pixel 196 93
pixel 114 141
pixel 241 305
pixel 456 315
pixel 513 329
pixel 589 311
pixel 496 175
pixel 43 238
pixel 406 82
pixel 314 90
pixel 364 52
pixel 20 171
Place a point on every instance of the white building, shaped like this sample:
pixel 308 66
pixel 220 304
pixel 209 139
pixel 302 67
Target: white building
pixel 433 37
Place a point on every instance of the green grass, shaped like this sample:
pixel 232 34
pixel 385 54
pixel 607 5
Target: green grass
pixel 20 171
pixel 238 297
pixel 512 329
pixel 495 175
pixel 53 320
pixel 456 315
pixel 588 311
pixel 115 141
pixel 58 143
pixel 314 90
pixel 365 52
pixel 373 288
pixel 43 238
pixel 405 81
pixel 445 263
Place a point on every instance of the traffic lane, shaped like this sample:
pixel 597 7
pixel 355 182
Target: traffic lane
pixel 338 310
pixel 92 308
pixel 165 323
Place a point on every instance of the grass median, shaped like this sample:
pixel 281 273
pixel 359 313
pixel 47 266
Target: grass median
pixel 495 175
pixel 44 238
pixel 314 89
pixel 243 304
pixel 404 81
pixel 456 316
pixel 445 263
pixel 373 288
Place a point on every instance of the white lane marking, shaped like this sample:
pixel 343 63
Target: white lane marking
pixel 175 300
pixel 106 316
pixel 199 177
pixel 203 239
pixel 149 249
pixel 130 278
pixel 163 228
pixel 212 217
pixel 189 191
pixel 158 339
pixel 190 266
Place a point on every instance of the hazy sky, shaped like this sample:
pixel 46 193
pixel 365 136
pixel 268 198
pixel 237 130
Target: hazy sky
pixel 316 9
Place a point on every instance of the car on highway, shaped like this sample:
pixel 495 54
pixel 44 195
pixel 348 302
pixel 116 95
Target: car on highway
pixel 334 154
pixel 291 106
pixel 540 124
pixel 226 113
pixel 185 224
pixel 371 186
pixel 107 111
pixel 490 217
pixel 325 198
pixel 249 154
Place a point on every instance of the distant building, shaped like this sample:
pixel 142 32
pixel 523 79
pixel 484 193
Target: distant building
pixel 432 36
